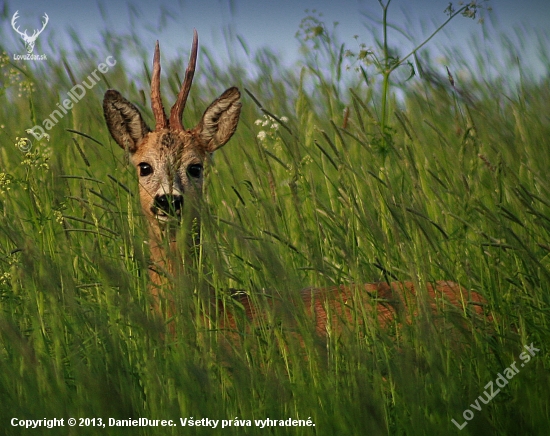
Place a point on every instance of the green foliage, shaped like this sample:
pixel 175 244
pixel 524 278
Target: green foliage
pixel 452 186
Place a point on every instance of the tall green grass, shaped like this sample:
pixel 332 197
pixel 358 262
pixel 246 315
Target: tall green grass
pixel 451 185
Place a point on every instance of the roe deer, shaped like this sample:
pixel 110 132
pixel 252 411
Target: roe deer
pixel 169 161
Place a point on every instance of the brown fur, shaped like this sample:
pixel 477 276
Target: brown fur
pixel 379 304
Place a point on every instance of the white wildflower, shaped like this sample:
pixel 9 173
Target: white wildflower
pixel 44 135
pixel 58 216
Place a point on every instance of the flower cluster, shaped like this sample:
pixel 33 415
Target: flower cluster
pixel 5 182
pixel 364 55
pixel 23 144
pixel 4 59
pixel 37 158
pixel 272 126
pixel 5 278
pixel 58 216
pixel 26 87
pixel 469 10
pixel 15 76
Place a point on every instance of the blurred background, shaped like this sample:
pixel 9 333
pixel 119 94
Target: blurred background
pixel 273 24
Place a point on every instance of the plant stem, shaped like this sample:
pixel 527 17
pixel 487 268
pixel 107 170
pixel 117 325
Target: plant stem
pixel 388 67
pixel 435 32
pixel 386 75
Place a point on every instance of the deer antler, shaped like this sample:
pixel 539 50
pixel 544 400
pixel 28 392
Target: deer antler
pixel 38 32
pixel 177 110
pixel 35 33
pixel 29 40
pixel 13 20
pixel 156 101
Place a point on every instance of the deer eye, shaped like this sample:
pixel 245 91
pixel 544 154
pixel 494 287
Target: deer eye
pixel 145 169
pixel 194 170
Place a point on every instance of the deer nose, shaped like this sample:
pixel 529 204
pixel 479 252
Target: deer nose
pixel 169 204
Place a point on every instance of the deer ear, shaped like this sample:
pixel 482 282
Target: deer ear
pixel 124 121
pixel 219 121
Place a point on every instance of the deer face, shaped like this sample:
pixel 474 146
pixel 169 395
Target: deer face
pixel 169 160
pixel 169 170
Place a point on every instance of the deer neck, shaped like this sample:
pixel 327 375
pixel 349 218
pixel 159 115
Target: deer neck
pixel 172 247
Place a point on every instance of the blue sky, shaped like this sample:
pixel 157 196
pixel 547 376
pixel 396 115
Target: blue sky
pixel 270 23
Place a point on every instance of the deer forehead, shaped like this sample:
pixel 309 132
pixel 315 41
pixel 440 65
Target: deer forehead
pixel 175 148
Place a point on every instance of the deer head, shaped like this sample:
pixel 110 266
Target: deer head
pixel 170 159
pixel 29 40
